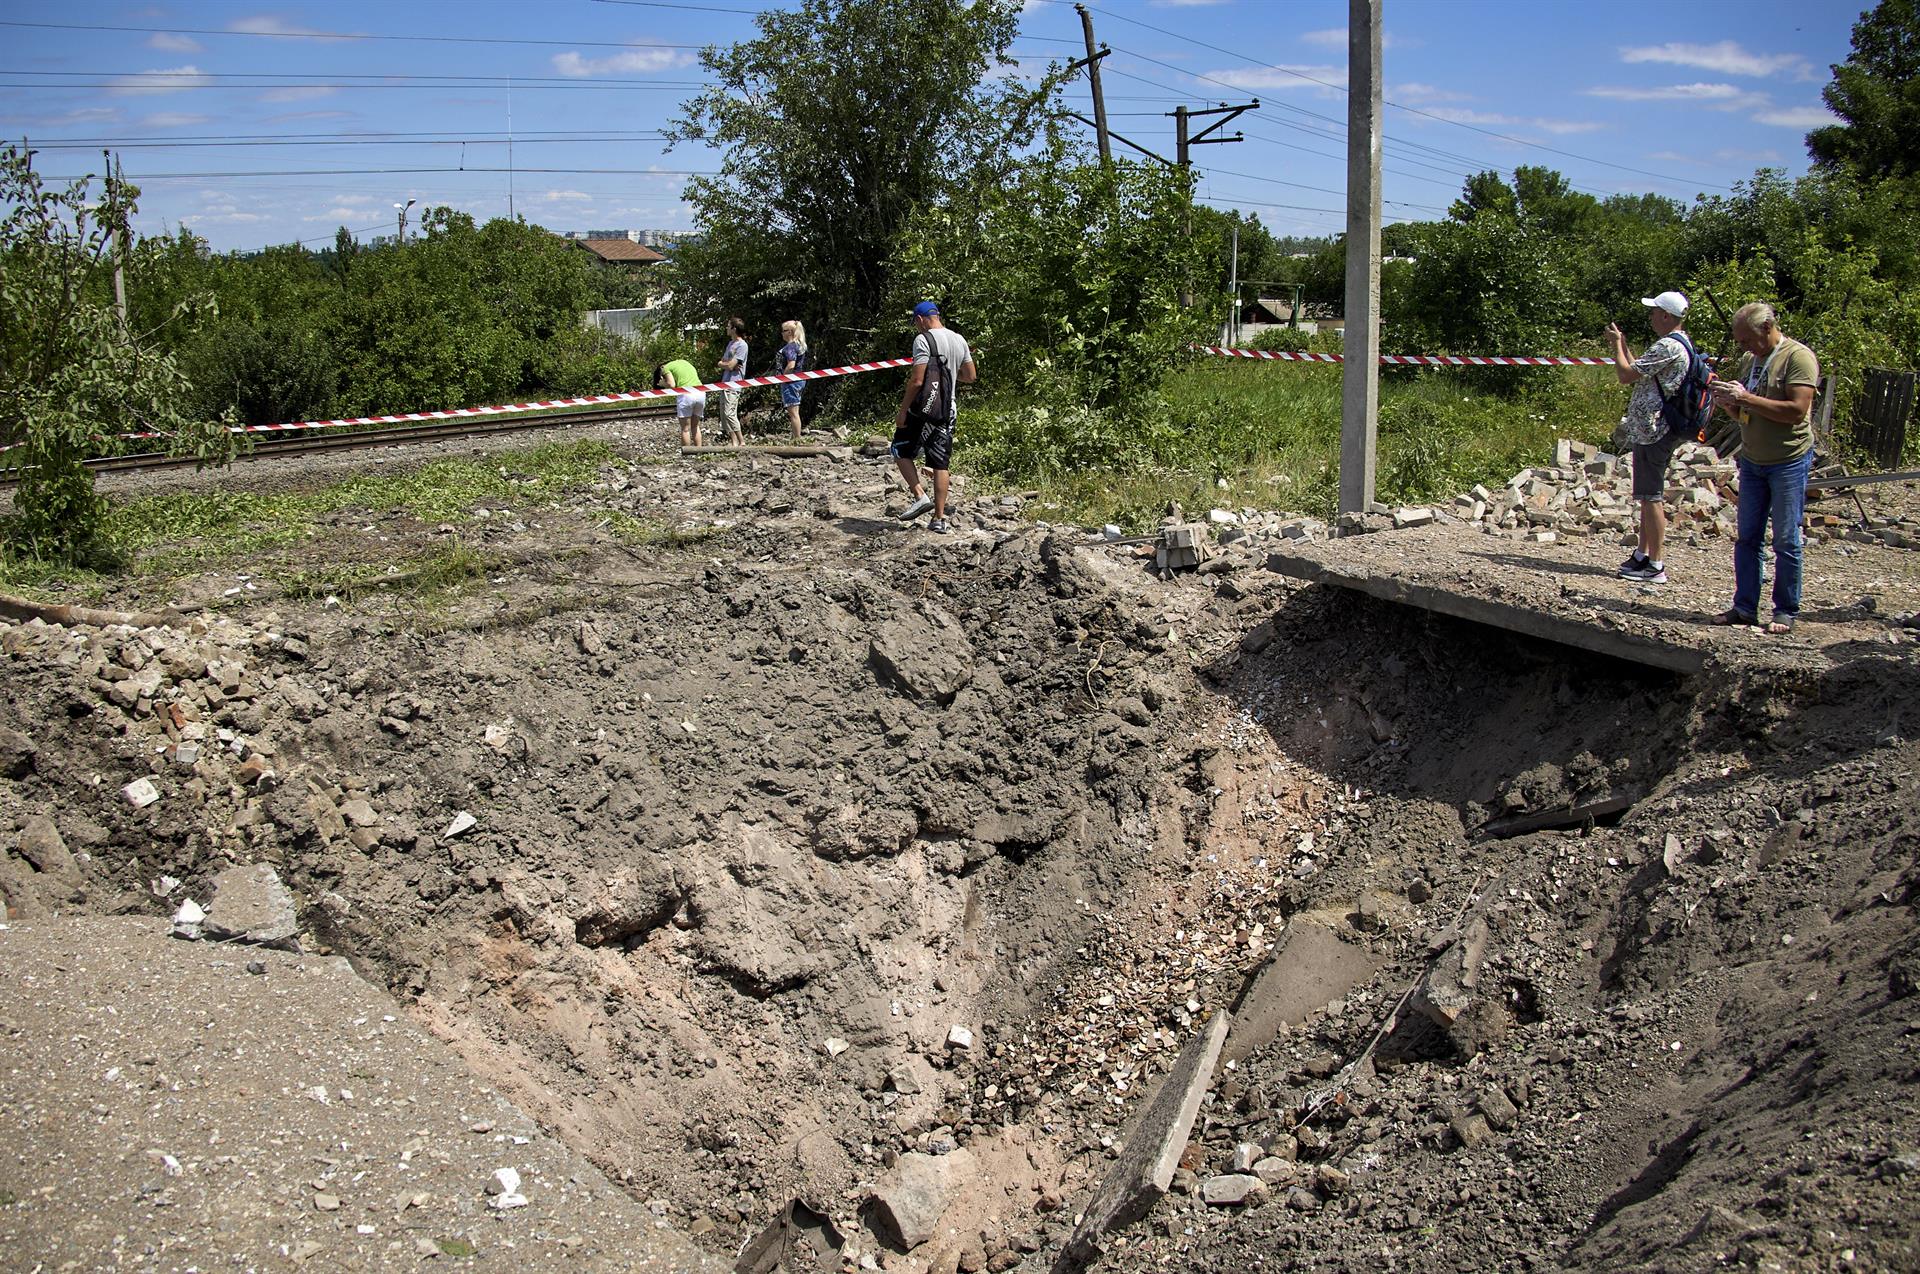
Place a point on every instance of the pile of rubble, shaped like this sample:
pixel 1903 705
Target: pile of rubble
pixel 1585 492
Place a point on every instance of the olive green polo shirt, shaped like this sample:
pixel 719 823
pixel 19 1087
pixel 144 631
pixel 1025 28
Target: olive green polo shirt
pixel 1768 441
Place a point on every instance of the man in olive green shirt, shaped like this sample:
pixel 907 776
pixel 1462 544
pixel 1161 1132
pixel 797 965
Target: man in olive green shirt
pixel 1771 395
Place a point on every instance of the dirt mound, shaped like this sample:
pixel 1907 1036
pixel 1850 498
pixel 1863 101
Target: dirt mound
pixel 889 873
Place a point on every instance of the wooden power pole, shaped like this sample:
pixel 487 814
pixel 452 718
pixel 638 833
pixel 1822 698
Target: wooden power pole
pixel 1360 371
pixel 1093 78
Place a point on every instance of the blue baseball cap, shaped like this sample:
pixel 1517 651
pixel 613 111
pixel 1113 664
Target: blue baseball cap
pixel 926 309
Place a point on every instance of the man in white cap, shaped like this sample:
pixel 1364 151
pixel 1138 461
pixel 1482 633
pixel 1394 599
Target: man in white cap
pixel 1648 427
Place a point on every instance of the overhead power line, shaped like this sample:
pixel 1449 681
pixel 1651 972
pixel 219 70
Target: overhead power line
pixel 332 36
pixel 565 134
pixel 140 178
pixel 147 81
pixel 1412 110
pixel 499 140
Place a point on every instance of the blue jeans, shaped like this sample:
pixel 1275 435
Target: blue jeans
pixel 1776 493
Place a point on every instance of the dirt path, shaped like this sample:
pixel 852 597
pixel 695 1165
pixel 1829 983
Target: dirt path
pixel 803 855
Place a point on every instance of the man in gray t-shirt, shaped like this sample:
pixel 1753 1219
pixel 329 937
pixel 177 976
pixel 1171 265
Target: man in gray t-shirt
pixel 930 440
pixel 733 366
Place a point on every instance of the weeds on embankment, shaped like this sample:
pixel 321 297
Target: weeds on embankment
pixel 159 537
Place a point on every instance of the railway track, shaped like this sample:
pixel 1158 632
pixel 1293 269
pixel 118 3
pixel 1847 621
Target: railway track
pixel 309 443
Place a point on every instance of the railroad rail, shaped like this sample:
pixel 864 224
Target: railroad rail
pixel 388 436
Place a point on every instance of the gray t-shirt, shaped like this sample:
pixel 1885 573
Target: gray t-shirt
pixel 952 348
pixel 737 350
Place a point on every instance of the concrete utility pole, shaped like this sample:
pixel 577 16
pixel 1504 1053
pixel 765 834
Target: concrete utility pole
pixel 1360 372
pixel 120 246
pixel 401 208
pixel 1092 64
pixel 1183 152
pixel 1233 291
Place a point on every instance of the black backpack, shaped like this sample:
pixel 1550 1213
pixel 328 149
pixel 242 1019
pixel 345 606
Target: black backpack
pixel 1691 403
pixel 934 403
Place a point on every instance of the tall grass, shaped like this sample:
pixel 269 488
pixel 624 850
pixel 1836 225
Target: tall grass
pixel 1240 433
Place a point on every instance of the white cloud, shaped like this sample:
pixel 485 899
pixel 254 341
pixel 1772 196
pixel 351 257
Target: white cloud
pixel 298 93
pixel 1799 117
pixel 175 119
pixel 168 80
pixel 1668 93
pixel 287 117
pixel 1280 75
pixel 85 115
pixel 337 214
pixel 1754 157
pixel 1718 97
pixel 1726 58
pixel 1416 93
pixel 1336 38
pixel 1490 119
pixel 1185 4
pixel 267 24
pixel 634 60
pixel 565 196
pixel 167 42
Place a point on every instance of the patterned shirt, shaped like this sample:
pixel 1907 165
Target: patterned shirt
pixel 1661 369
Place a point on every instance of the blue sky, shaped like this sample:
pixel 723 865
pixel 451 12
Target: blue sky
pixel 255 124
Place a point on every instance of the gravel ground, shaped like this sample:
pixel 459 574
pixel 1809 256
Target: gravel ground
pixel 178 1105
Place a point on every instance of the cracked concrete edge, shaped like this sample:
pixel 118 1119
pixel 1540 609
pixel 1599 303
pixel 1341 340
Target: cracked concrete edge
pixel 1145 1168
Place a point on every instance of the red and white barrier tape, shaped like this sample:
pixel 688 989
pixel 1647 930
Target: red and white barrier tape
pixel 1412 360
pixel 587 400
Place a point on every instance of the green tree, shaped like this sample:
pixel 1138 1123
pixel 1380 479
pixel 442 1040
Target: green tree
pixel 838 122
pixel 1877 92
pixel 1068 275
pixel 72 376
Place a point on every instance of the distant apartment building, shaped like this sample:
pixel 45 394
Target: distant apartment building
pixel 657 239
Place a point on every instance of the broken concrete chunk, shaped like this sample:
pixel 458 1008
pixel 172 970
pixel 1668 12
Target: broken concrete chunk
pixel 140 793
pixel 187 920
pixel 1275 1171
pixel 17 754
pixel 1145 1170
pixel 1450 986
pixel 463 821
pixel 1233 1189
pixel 40 844
pixel 1500 1111
pixel 959 1037
pixel 911 1197
pixel 1472 1130
pixel 251 905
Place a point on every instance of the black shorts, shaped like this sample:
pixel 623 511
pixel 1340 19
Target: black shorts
pixel 1650 466
pixel 931 443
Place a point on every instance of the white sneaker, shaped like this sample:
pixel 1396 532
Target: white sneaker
pixel 920 505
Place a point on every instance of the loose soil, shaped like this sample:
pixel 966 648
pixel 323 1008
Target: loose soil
pixel 808 846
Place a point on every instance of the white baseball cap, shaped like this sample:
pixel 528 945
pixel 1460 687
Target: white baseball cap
pixel 1672 302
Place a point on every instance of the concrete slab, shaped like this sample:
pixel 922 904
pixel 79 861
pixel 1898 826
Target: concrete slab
pixel 1310 967
pixel 1144 1171
pixel 1613 641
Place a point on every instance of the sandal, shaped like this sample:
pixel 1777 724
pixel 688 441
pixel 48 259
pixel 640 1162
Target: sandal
pixel 1734 619
pixel 1780 625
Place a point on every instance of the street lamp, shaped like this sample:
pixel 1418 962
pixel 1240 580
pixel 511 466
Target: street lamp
pixel 402 208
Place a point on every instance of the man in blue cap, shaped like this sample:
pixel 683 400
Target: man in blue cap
pixel 923 427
